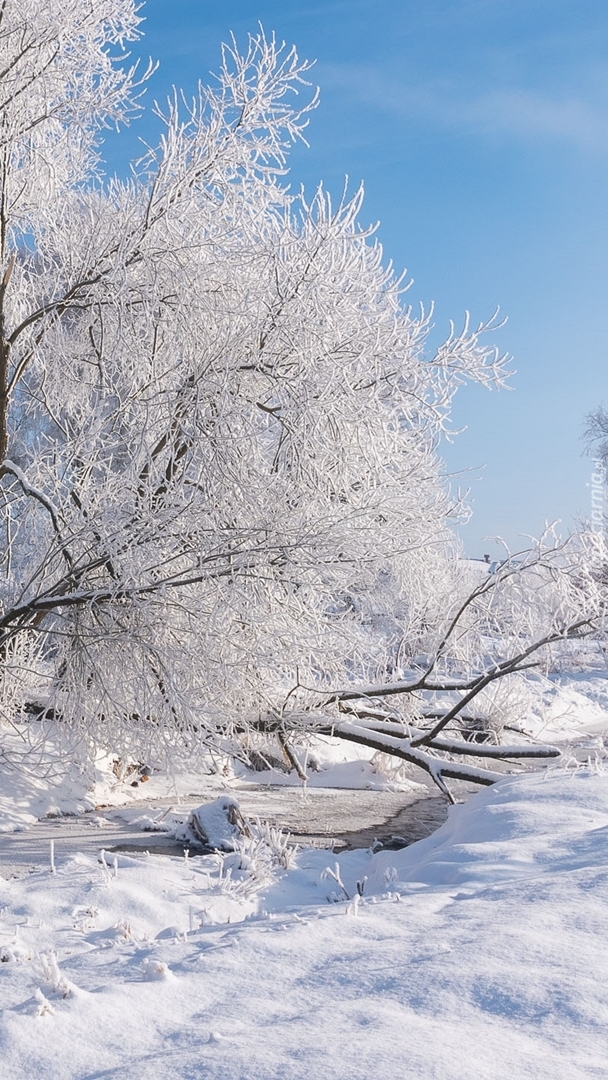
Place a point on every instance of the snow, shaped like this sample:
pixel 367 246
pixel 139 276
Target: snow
pixel 345 774
pixel 48 780
pixel 216 824
pixel 475 953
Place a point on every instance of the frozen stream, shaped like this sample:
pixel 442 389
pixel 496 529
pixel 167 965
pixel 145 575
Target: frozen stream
pixel 331 817
pixel 327 817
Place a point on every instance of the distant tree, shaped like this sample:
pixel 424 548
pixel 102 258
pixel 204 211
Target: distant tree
pixel 596 433
pixel 218 425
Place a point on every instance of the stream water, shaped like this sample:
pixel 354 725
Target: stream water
pixel 326 817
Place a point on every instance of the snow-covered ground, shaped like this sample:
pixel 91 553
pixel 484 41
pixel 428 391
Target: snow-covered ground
pixel 480 952
pixel 477 953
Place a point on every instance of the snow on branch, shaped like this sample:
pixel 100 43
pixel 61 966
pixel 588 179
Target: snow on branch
pixel 221 500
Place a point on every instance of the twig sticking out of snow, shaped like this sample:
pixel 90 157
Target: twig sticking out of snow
pixel 335 876
pixel 44 1007
pixel 54 976
pixel 353 907
pixel 156 971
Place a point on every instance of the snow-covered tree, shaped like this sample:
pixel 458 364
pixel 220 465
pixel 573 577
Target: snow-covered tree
pixel 218 421
pixel 596 435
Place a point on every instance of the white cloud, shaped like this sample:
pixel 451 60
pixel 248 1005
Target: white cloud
pixel 528 114
pixel 520 113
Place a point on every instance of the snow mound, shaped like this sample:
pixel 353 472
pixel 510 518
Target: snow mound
pixel 523 826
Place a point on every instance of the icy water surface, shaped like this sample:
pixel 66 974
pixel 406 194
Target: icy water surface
pixel 326 817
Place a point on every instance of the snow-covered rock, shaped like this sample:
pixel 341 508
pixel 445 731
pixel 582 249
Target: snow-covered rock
pixel 217 824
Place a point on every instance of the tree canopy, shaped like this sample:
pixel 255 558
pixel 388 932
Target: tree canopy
pixel 219 420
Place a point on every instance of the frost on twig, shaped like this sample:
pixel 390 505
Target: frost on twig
pixel 222 509
pixel 335 876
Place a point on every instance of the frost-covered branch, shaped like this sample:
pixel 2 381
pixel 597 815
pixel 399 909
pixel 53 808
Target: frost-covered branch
pixel 222 501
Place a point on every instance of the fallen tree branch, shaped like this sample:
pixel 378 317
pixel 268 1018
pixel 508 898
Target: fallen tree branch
pixel 437 768
pixel 398 729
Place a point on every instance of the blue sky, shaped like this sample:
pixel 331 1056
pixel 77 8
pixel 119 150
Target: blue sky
pixel 480 129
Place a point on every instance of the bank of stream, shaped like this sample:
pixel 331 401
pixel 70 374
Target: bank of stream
pixel 335 818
